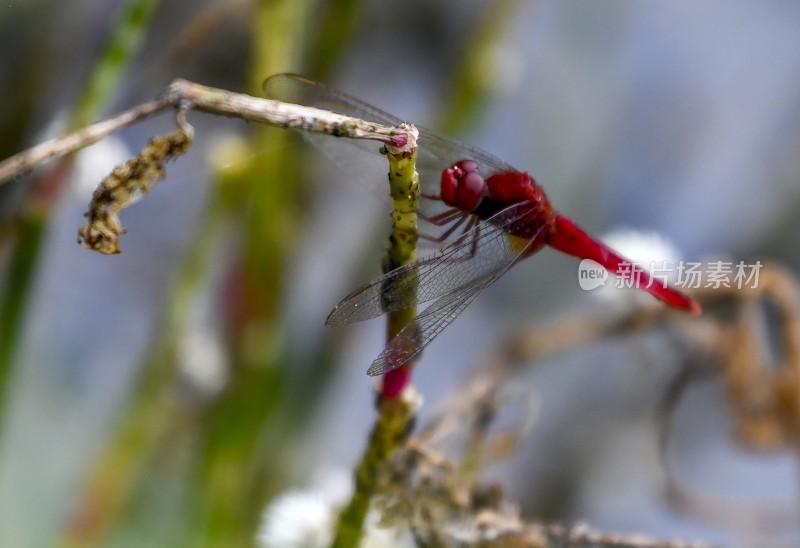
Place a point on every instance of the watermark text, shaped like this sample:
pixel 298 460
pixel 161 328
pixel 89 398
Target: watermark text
pixel 685 275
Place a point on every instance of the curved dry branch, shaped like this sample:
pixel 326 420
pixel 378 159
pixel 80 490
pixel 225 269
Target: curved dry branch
pixel 129 181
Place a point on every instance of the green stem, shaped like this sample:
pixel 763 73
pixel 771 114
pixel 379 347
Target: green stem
pixel 338 20
pixel 153 410
pixel 33 217
pixel 389 433
pixel 477 75
pixel 105 76
pixel 13 298
pixel 244 442
pixel 395 409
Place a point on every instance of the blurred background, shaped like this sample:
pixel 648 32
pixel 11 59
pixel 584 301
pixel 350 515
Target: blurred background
pixel 165 395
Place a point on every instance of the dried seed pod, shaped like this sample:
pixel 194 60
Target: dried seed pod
pixel 126 185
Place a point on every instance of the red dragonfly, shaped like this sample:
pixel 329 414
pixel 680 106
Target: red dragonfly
pixel 498 215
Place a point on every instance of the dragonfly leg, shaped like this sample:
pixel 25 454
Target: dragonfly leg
pixel 441 219
pixel 475 237
pixel 434 197
pixel 466 230
pixel 447 233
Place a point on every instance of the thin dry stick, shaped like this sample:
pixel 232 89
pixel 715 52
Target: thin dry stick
pixel 133 179
pixel 213 100
pixel 25 161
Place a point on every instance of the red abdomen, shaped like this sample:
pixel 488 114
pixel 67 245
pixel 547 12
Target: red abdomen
pixel 569 238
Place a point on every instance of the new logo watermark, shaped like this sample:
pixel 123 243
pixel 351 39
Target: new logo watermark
pixel 686 275
pixel 591 275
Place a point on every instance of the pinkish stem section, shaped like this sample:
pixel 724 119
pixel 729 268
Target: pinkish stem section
pixel 571 239
pixel 395 381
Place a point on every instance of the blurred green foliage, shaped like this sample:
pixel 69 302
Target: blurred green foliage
pixel 181 467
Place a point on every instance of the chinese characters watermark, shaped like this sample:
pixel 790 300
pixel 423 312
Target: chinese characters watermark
pixel 686 274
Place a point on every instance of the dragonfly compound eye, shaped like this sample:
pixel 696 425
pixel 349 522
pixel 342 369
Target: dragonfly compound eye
pixel 462 186
pixel 466 166
pixel 448 186
pixel 470 191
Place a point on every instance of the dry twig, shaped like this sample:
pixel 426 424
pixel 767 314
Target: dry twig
pixel 134 178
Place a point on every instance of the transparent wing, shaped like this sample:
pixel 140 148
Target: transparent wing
pixel 479 253
pixel 433 320
pixel 435 152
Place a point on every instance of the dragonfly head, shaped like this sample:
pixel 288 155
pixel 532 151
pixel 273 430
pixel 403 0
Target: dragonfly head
pixel 462 185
